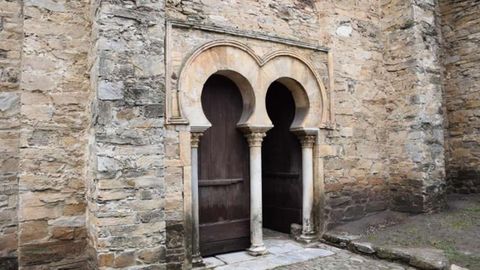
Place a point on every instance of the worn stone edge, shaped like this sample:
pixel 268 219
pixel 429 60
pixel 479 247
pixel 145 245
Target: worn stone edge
pixel 348 242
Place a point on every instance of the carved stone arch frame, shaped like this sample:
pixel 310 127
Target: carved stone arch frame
pixel 231 59
pixel 253 75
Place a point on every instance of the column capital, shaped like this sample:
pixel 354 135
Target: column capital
pixel 255 138
pixel 195 138
pixel 307 141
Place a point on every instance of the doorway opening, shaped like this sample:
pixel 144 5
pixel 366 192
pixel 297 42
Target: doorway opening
pixel 281 163
pixel 224 181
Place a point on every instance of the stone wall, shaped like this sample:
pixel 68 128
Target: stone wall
pixel 54 124
pixel 100 175
pixel 461 30
pixel 126 190
pixel 415 142
pixel 11 21
pixel 356 164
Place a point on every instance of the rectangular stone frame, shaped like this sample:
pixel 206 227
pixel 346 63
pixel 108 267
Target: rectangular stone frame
pixel 179 125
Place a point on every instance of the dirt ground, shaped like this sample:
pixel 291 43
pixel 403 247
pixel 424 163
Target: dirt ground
pixel 455 230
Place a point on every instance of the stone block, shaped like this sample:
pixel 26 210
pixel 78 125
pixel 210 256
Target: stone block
pixel 152 255
pixel 363 247
pixel 48 252
pixel 110 90
pixel 106 259
pixel 8 244
pixel 63 233
pixel 124 259
pixel 33 230
pixel 68 221
pixel 9 101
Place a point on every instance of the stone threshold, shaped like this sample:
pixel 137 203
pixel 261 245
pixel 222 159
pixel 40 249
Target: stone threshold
pixel 282 250
pixel 421 258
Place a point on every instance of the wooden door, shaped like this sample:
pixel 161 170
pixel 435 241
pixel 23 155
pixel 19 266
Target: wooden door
pixel 281 164
pixel 224 186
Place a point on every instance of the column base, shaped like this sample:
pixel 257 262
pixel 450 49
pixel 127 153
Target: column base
pixel 307 238
pixel 197 261
pixel 257 250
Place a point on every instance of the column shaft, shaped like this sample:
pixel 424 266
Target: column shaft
pixel 256 233
pixel 196 257
pixel 308 227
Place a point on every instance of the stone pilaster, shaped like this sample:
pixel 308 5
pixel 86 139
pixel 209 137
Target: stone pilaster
pixel 135 217
pixel 415 121
pixel 55 123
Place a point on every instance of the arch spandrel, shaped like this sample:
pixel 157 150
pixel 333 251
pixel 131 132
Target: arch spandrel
pixel 253 75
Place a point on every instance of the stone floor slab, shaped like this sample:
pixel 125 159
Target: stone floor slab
pixel 281 246
pixel 308 254
pixel 212 262
pixel 265 262
pixel 235 257
pixel 286 254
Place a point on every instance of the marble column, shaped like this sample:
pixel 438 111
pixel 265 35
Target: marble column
pixel 196 257
pixel 256 234
pixel 308 227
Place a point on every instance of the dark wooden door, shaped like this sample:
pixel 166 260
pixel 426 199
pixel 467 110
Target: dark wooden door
pixel 224 186
pixel 281 164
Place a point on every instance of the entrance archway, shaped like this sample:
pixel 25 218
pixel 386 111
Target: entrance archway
pixel 224 182
pixel 281 163
pixel 252 74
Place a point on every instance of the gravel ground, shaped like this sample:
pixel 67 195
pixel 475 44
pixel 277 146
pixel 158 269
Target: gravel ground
pixel 456 230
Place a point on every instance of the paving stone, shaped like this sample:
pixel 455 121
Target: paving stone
pixel 363 247
pixel 308 253
pixel 230 258
pixel 266 262
pixel 345 260
pixel 283 248
pixel 423 258
pixel 212 262
pixel 456 267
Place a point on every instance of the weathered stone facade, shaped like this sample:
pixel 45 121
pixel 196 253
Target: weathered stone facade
pixel 11 21
pixel 461 31
pixel 95 173
pixel 415 136
pixel 54 125
pixel 128 201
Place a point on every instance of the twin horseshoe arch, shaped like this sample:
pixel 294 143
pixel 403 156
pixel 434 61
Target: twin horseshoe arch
pixel 253 75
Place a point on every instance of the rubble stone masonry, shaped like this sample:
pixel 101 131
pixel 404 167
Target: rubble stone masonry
pixel 461 30
pixel 54 123
pixel 92 176
pixel 128 200
pixel 415 143
pixel 11 21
